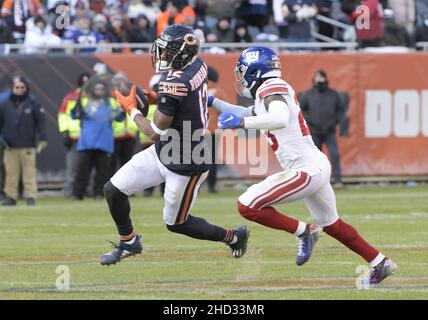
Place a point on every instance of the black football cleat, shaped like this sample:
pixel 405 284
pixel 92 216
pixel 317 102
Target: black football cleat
pixel 122 251
pixel 240 247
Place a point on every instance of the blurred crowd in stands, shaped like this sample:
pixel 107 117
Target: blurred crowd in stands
pixel 39 23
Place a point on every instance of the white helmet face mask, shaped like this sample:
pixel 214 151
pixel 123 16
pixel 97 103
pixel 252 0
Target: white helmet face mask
pixel 160 65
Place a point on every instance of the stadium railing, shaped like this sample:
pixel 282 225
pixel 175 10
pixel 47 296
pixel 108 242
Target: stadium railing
pixel 10 49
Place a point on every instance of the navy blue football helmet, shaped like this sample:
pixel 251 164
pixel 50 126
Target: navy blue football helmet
pixel 175 49
pixel 255 65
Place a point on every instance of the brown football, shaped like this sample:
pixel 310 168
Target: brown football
pixel 142 100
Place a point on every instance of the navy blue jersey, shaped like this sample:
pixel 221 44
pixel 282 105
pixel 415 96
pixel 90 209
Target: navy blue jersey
pixel 183 95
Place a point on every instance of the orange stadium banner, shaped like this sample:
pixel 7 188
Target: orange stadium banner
pixel 388 108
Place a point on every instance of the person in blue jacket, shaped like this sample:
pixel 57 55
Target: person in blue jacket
pixel 96 111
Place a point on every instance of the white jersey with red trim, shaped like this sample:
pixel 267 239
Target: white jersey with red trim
pixel 293 145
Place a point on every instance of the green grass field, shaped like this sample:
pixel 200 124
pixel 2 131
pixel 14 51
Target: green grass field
pixel 35 241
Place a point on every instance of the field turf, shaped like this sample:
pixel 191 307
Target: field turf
pixel 35 241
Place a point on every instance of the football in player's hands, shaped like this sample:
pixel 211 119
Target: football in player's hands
pixel 142 99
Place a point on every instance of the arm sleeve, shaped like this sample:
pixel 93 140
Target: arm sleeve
pixel 225 107
pixel 277 117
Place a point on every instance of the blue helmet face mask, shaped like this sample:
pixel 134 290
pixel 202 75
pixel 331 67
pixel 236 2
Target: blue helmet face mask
pixel 254 65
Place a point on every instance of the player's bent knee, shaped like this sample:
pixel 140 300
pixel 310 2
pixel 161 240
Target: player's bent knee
pixel 111 192
pixel 246 212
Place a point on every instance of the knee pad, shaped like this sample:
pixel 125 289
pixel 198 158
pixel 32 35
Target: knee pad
pixel 111 192
pixel 246 212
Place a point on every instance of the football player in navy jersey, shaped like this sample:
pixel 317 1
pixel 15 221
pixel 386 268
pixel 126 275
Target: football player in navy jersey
pixel 178 128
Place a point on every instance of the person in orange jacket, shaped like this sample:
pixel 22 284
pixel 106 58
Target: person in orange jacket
pixel 173 14
pixel 15 13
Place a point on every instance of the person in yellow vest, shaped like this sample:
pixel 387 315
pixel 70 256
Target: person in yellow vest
pixel 125 132
pixel 70 131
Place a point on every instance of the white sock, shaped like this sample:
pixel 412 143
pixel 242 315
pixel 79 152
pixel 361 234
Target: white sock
pixel 234 240
pixel 131 241
pixel 377 260
pixel 301 228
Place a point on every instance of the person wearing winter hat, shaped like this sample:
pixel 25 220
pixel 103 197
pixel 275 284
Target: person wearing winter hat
pixel 23 131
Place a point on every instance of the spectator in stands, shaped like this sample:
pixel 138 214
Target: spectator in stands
pixel 372 36
pixel 16 12
pixel 148 8
pixel 60 11
pixel 81 33
pixel 171 15
pixel 118 31
pixel 96 112
pixel 349 6
pixel 141 31
pixel 22 126
pixel 75 7
pixel 395 34
pixel 224 31
pixel 39 35
pixel 253 12
pixel 299 14
pixel 97 6
pixel 241 33
pixel 70 132
pixel 125 132
pixel 421 11
pixel 6 35
pixel 421 34
pixel 216 9
pixel 404 13
pixel 324 8
pixel 200 27
pixel 279 19
pixel 100 25
pixel 323 110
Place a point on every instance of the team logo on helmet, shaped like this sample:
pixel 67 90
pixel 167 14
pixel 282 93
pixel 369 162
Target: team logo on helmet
pixel 252 56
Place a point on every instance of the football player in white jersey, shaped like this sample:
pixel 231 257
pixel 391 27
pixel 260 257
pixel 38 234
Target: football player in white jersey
pixel 305 171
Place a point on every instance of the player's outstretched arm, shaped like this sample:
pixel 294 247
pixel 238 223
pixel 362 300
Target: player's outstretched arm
pixel 225 107
pixel 276 117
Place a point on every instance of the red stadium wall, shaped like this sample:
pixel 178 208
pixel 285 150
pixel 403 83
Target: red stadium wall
pixel 388 103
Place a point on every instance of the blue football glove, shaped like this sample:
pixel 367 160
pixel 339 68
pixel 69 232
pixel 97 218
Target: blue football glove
pixel 210 101
pixel 228 120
